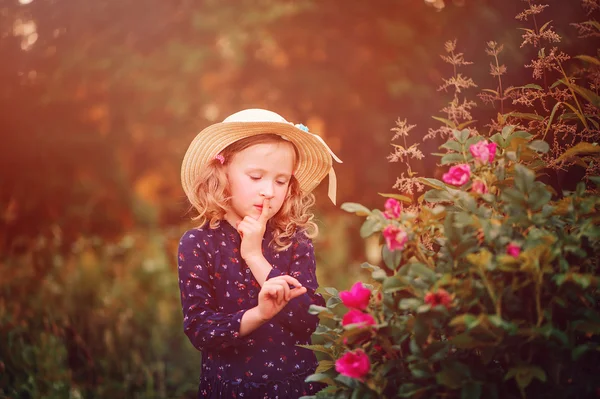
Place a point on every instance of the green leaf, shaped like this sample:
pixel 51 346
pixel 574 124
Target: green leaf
pixel 452 158
pixel 543 28
pixel 435 183
pixel 507 131
pixel 471 390
pixel 420 270
pixel 449 377
pixel 589 95
pixel 399 197
pixel 320 377
pixel 438 196
pixel 370 226
pixel 579 149
pixel 555 108
pixel 461 135
pixel 588 59
pixel 528 86
pixel 498 139
pixel 324 365
pixel 524 374
pixel 394 283
pixel 318 348
pixel 391 258
pixel 316 309
pixel 445 121
pixel 578 351
pixel 528 116
pixel 539 146
pixel 353 207
pixel 524 178
pixel 347 381
pixel 410 389
pixel 421 330
pixel 409 303
pixel 452 145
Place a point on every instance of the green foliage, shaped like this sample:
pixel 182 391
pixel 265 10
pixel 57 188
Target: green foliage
pixel 514 324
pixel 101 321
pixel 490 281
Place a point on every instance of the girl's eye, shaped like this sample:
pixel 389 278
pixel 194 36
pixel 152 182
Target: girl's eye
pixel 254 177
pixel 282 183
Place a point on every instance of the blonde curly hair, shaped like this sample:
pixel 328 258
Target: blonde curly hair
pixel 211 196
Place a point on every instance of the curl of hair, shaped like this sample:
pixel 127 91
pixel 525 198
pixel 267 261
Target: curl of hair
pixel 294 216
pixel 212 197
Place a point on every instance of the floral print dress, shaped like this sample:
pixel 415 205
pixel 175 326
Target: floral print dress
pixel 217 287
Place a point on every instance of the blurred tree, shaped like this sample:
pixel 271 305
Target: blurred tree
pixel 100 99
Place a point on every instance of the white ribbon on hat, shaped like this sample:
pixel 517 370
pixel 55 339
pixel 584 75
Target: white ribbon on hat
pixel 332 189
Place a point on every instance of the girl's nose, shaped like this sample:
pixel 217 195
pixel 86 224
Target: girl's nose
pixel 267 190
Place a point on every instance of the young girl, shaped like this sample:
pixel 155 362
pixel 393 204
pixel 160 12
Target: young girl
pixel 247 274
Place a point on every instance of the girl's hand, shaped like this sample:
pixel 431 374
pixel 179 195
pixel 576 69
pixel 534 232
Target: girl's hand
pixel 252 232
pixel 276 293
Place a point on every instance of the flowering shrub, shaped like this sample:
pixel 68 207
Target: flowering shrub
pixel 489 286
pixel 481 294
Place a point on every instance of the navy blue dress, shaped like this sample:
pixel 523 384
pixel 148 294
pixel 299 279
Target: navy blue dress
pixel 217 287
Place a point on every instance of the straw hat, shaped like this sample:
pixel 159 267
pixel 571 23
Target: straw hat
pixel 314 163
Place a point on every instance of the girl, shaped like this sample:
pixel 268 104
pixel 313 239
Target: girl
pixel 247 274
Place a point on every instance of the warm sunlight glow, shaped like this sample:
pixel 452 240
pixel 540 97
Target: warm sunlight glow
pixel 28 32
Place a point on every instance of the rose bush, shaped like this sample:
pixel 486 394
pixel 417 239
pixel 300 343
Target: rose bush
pixel 482 294
pixel 489 285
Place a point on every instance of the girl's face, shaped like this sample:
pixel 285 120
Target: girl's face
pixel 255 173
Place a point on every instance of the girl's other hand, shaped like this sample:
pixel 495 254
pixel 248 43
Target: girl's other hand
pixel 276 293
pixel 252 232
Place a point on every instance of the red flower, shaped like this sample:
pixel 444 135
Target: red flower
pixel 393 208
pixel 457 175
pixel 355 316
pixel 440 297
pixel 479 187
pixel 513 249
pixel 355 364
pixel 358 296
pixel 395 237
pixel 483 151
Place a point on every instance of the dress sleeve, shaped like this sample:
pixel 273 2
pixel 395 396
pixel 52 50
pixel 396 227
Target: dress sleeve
pixel 202 323
pixel 294 316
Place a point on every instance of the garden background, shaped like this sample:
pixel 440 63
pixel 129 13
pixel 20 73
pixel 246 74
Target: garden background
pixel 98 102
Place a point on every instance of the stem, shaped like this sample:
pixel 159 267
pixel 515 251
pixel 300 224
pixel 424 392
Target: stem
pixel 500 91
pixel 572 92
pixel 538 304
pixel 537 32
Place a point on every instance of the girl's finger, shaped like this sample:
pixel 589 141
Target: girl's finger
pixel 289 280
pixel 264 215
pixel 296 292
pixel 285 286
pixel 278 293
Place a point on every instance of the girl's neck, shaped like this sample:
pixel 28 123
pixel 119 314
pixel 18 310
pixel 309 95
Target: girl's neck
pixel 232 218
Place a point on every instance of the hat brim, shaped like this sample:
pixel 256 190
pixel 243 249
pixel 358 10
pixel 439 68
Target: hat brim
pixel 314 163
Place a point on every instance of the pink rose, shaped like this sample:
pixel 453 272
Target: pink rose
pixel 357 298
pixel 395 237
pixel 513 249
pixel 393 208
pixel 354 364
pixel 355 316
pixel 440 297
pixel 479 187
pixel 458 175
pixel 483 151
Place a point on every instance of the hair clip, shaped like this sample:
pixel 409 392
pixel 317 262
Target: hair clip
pixel 301 127
pixel 221 158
